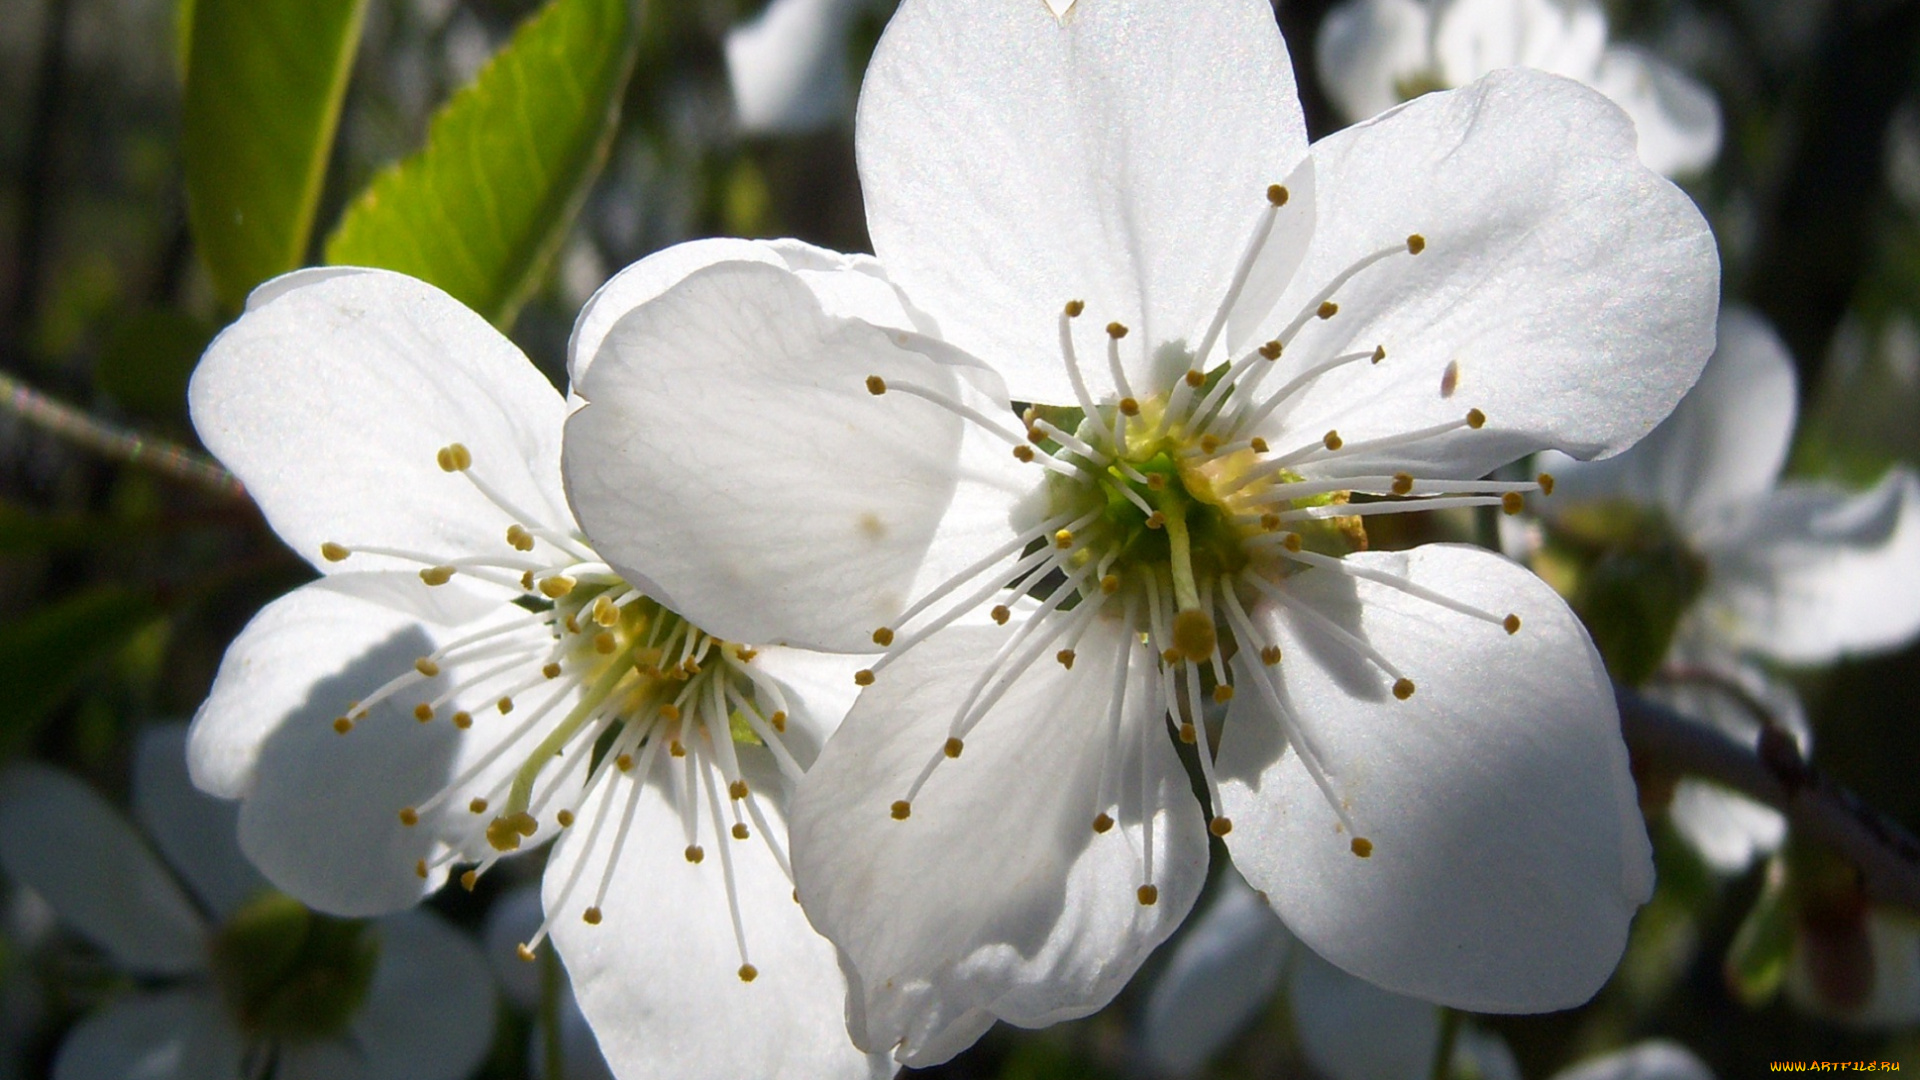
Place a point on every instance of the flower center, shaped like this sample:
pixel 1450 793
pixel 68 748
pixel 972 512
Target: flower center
pixel 584 672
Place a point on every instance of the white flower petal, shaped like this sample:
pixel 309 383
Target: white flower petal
pixel 1013 161
pixel 1677 118
pixel 850 286
pixel 1722 447
pixel 995 897
pixel 1654 1059
pixel 658 978
pixel 177 1035
pixel 1221 975
pixel 1813 572
pixel 788 66
pixel 429 1013
pixel 114 892
pixel 1532 205
pixel 196 832
pixel 1729 830
pixel 321 812
pixel 1508 853
pixel 1350 1029
pixel 1367 50
pixel 1474 37
pixel 742 411
pixel 331 401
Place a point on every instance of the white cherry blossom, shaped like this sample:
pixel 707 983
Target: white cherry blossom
pixel 1374 54
pixel 788 66
pixel 425 1010
pixel 468 679
pixel 1241 351
pixel 1795 572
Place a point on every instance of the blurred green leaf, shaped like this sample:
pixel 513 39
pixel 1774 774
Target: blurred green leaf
pixel 1757 959
pixel 481 209
pixel 146 361
pixel 24 531
pixel 264 84
pixel 45 654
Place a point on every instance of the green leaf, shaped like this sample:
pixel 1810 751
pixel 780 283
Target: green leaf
pixel 264 83
pixel 45 655
pixel 1756 962
pixel 480 210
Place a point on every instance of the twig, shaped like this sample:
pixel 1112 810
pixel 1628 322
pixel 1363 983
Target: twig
pixel 167 458
pixel 1772 771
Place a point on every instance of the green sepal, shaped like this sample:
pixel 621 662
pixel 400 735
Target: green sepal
pixel 291 973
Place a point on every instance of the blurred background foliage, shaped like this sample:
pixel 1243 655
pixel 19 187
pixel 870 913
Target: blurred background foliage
pixel 133 220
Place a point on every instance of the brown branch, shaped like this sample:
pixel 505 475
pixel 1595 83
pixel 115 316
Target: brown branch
pixel 1772 771
pixel 166 458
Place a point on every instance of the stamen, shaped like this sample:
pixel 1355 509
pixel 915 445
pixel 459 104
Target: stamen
pixel 1257 242
pixel 1394 581
pixel 952 405
pixel 1067 357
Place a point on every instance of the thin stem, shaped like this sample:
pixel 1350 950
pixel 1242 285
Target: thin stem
pixel 1442 1067
pixel 163 457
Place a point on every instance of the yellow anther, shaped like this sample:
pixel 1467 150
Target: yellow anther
pixel 1110 584
pixel 1065 656
pixel 1272 349
pixel 420 869
pixel 1129 407
pixel 863 677
pixel 1259 444
pixel 739 831
pixel 469 879
pixel 1361 846
pixel 454 458
pixel 690 667
pixel 1402 483
pixel 669 711
pixel 1292 542
pixel 519 538
pixel 427 667
pixel 409 817
pixel 572 624
pixel 526 581
pixel 1379 353
pixel 1001 613
pixel 876 385
pixel 1196 379
pixel 1545 480
pixel 1416 244
pixel 1513 502
pixel 591 916
pixel 1036 436
pixel 883 637
pixel 778 720
pixel 1023 452
pixel 524 823
pixel 423 712
pixel 556 586
pixel 745 655
pixel 1063 539
pixel 1170 656
pixel 1194 634
pixel 505 705
pixel 1156 520
pixel 1327 309
pixel 564 818
pixel 1403 688
pixel 1102 822
pixel 478 806
pixel 676 748
pixel 551 670
pixel 1156 482
pixel 342 725
pixel 1116 331
pixel 1220 826
pixel 1511 624
pixel 1222 694
pixel 953 747
pixel 463 720
pixel 1269 522
pixel 737 789
pixel 748 973
pixel 437 575
pixel 624 763
pixel 901 810
pixel 1209 443
pixel 1270 655
pixel 695 853
pixel 1187 733
pixel 1148 895
pixel 1277 194
pixel 604 611
pixel 504 833
pixel 604 642
pixel 333 552
pixel 1075 307
pixel 1332 440
pixel 1476 419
